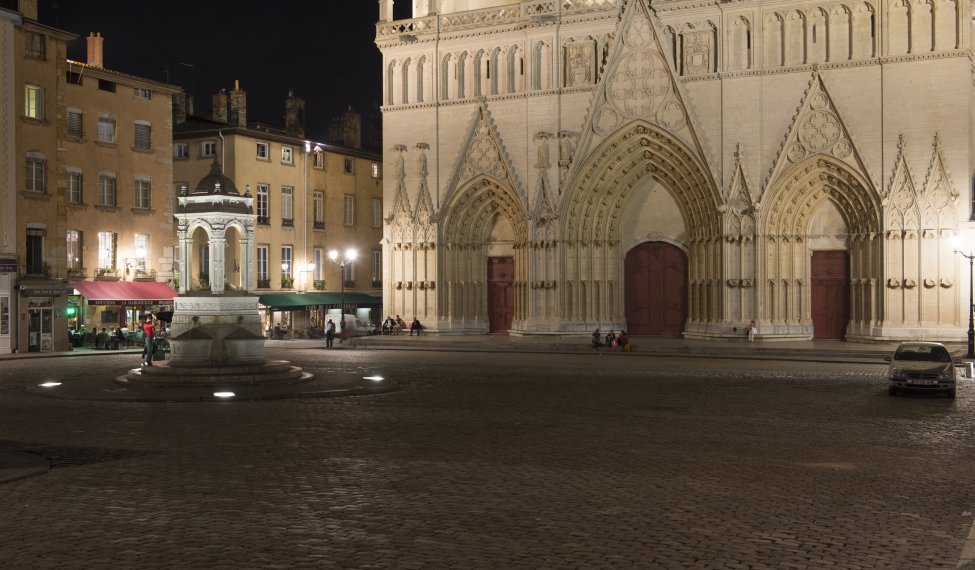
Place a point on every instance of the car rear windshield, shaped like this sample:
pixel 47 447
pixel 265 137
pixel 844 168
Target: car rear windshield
pixel 923 353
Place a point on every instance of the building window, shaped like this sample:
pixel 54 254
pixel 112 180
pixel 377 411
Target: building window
pixel 106 129
pixel 349 211
pixel 181 150
pixel 377 269
pixel 208 148
pixel 181 189
pixel 319 258
pixel 287 205
pixel 35 250
pixel 141 250
pixel 318 210
pixel 34 102
pixel 349 166
pixel 377 213
pixel 106 190
pixel 74 78
pixel 348 275
pixel 35 180
pixel 204 266
pixel 263 151
pixel 143 192
pixel 106 85
pixel 319 160
pixel 376 172
pixel 75 186
pixel 74 249
pixel 142 93
pixel 262 276
pixel 75 124
pixel 143 135
pixel 36 46
pixel 106 251
pixel 287 155
pixel 263 204
pixel 286 265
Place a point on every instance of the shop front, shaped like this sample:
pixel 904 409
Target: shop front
pixel 8 275
pixel 122 304
pixel 303 315
pixel 42 316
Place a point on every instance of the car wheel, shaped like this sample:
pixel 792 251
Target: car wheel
pixel 951 394
pixel 891 391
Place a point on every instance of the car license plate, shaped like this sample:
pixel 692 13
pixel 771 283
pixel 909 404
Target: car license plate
pixel 923 382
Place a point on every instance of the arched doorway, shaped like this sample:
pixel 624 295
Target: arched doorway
pixel 656 289
pixel 830 287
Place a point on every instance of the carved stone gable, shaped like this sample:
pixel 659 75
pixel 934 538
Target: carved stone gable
pixel 940 195
pixel 901 199
pixel 483 154
pixel 817 129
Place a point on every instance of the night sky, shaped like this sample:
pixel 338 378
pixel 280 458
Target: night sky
pixel 324 50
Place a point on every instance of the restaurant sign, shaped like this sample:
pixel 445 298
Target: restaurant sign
pixel 8 265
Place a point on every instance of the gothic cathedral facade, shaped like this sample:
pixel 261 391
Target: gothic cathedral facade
pixel 672 167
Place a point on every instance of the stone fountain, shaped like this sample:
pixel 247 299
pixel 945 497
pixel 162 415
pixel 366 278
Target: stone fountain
pixel 216 336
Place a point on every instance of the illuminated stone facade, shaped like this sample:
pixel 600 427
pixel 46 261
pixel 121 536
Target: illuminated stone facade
pixel 758 142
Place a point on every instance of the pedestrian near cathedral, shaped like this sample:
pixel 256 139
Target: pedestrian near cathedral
pixel 329 333
pixel 415 327
pixel 752 331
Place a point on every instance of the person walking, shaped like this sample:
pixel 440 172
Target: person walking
pixel 329 333
pixel 597 340
pixel 150 340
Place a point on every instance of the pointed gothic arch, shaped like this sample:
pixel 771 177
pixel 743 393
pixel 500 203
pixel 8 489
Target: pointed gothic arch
pixel 468 232
pixel 787 211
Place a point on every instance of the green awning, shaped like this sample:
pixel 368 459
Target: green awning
pixel 288 301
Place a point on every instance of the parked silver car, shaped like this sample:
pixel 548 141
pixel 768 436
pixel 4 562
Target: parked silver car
pixel 921 367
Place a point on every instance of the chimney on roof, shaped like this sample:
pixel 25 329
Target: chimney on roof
pixel 96 49
pixel 294 116
pixel 238 106
pixel 220 106
pixel 28 9
pixel 346 129
pixel 179 107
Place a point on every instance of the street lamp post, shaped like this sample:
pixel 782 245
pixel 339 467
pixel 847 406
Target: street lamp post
pixel 971 297
pixel 343 262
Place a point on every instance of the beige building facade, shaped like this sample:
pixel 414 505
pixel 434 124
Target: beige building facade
pixel 87 155
pixel 309 198
pixel 679 168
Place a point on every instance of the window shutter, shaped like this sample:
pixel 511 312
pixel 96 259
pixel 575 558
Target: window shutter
pixel 142 136
pixel 75 124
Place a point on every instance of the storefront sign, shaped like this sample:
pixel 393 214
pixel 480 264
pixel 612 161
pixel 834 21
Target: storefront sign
pixel 8 265
pixel 42 291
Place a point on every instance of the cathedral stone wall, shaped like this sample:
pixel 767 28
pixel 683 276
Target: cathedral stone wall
pixel 763 141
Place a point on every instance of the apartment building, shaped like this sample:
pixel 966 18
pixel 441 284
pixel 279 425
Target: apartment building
pixel 310 198
pixel 85 187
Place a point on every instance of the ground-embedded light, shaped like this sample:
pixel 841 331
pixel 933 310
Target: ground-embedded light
pixel 224 394
pixel 50 384
pixel 373 378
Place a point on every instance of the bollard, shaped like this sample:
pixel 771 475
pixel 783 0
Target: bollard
pixel 971 369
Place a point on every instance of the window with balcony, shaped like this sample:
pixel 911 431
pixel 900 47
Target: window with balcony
pixel 74 249
pixel 287 206
pixel 263 204
pixel 35 177
pixel 34 102
pixel 263 280
pixel 287 267
pixel 36 233
pixel 106 252
pixel 318 210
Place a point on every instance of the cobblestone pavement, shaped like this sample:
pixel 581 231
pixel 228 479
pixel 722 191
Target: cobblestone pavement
pixel 497 461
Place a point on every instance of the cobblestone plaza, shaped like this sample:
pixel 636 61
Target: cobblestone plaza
pixel 496 461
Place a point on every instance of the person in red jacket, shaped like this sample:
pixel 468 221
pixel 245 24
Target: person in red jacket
pixel 150 331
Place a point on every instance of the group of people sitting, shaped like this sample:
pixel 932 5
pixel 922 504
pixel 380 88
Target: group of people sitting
pixel 398 325
pixel 110 338
pixel 612 341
